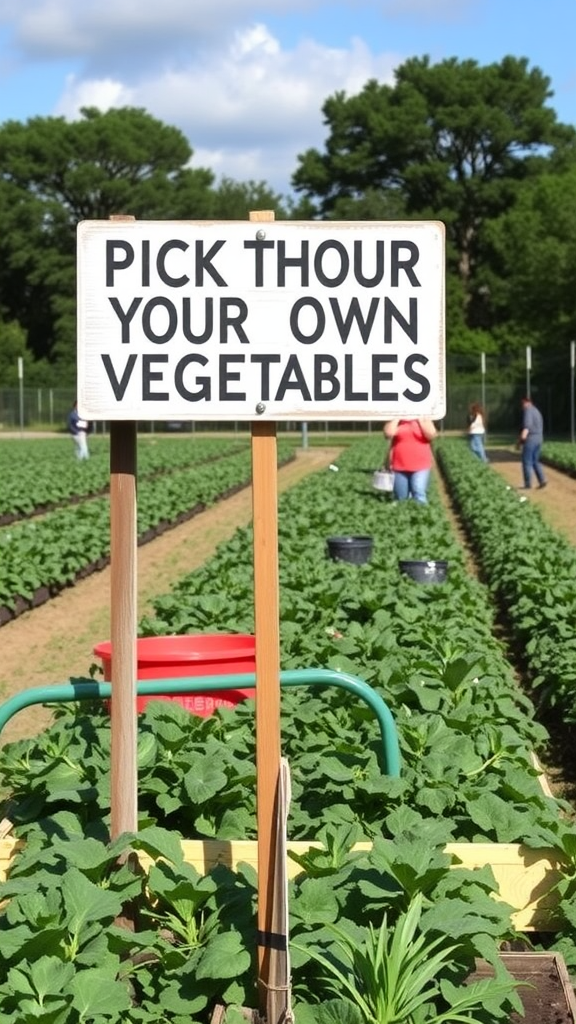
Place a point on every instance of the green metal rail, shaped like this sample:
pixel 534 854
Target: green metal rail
pixel 90 689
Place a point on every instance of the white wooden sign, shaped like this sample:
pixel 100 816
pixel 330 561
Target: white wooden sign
pixel 281 320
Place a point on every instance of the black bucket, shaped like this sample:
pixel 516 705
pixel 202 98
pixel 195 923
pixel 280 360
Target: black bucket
pixel 350 549
pixel 424 572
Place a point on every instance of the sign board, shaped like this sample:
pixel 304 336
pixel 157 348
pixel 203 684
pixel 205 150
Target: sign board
pixel 282 320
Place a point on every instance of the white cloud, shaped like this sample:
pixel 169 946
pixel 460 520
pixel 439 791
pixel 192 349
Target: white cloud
pixel 249 107
pixel 101 93
pixel 56 28
pixel 213 68
pixel 253 40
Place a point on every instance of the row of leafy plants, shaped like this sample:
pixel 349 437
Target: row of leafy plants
pixel 369 936
pixel 397 923
pixel 561 455
pixel 51 552
pixel 531 571
pixel 37 477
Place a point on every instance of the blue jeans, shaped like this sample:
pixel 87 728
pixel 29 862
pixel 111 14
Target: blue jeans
pixel 531 462
pixel 411 485
pixel 477 446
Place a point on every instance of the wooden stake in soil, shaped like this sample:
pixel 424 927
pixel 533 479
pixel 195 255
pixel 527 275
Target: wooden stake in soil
pixel 123 605
pixel 279 1006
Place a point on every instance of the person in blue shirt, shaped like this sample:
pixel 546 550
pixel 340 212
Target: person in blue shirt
pixel 78 428
pixel 531 439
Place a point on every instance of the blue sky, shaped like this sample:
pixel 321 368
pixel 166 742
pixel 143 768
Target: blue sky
pixel 245 80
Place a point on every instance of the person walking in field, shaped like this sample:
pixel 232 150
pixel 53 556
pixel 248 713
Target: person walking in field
pixel 410 456
pixel 477 430
pixel 530 440
pixel 78 429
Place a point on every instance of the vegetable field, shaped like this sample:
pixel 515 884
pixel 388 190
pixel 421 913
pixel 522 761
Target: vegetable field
pixel 58 525
pixel 467 730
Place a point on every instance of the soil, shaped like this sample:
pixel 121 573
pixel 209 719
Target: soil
pixel 556 501
pixel 54 642
pixel 545 992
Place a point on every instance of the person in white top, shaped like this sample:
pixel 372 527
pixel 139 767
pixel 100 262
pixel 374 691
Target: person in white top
pixel 477 430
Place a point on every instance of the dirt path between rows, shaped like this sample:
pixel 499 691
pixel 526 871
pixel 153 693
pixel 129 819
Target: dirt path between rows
pixel 54 642
pixel 557 502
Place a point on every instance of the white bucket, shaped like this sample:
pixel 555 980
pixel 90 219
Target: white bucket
pixel 383 480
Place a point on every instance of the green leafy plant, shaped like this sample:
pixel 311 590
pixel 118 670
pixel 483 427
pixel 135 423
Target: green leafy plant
pixel 65 960
pixel 52 551
pixel 530 568
pixel 393 976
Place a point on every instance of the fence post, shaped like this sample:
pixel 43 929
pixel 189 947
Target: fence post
pixel 21 391
pixel 572 367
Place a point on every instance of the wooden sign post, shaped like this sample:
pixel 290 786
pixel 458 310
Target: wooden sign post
pixel 267 631
pixel 266 621
pixel 123 626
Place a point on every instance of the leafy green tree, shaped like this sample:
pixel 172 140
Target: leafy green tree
pixel 530 278
pixel 55 173
pixel 373 204
pixel 12 348
pixel 233 200
pixel 449 141
pixel 108 163
pixel 533 258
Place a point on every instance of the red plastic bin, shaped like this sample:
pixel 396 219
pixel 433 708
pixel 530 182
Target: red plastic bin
pixel 201 654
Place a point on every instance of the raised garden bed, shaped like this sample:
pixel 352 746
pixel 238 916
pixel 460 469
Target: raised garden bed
pixel 548 996
pixel 525 877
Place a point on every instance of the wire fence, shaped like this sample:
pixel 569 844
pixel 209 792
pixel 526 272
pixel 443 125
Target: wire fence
pixel 46 409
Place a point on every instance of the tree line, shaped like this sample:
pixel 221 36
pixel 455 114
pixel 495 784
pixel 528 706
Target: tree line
pixel 478 147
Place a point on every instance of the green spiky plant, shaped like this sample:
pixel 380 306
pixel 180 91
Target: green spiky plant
pixel 393 977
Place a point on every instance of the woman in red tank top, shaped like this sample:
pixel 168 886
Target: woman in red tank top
pixel 410 456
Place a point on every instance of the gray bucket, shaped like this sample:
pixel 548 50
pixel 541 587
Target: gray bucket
pixel 424 572
pixel 350 549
